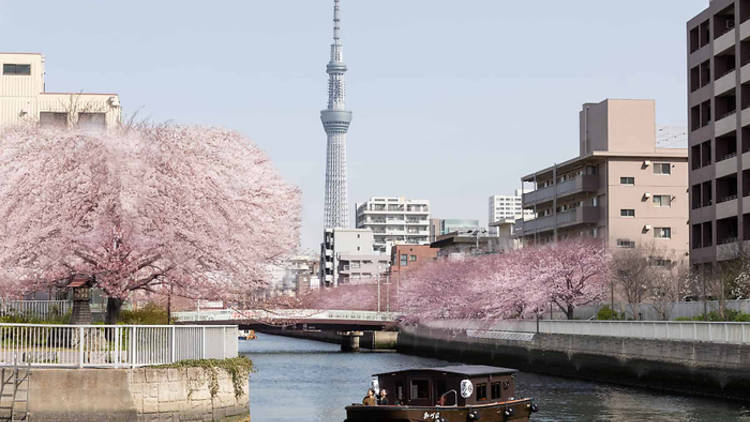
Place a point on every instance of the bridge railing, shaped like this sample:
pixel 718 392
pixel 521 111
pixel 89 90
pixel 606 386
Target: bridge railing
pixel 283 314
pixel 714 332
pixel 116 346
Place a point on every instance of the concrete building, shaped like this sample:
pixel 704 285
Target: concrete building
pixel 504 207
pixel 361 268
pixel 621 188
pixel 441 226
pixel 23 98
pixel 504 235
pixel 339 248
pixel 718 68
pixel 456 245
pixel 395 220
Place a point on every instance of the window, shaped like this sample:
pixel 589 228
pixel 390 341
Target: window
pixel 662 168
pixel 627 213
pixel 419 389
pixel 625 243
pixel 412 258
pixel 657 261
pixel 16 69
pixel 662 200
pixel 496 390
pixel 627 180
pixel 404 259
pixel 481 392
pixel 663 232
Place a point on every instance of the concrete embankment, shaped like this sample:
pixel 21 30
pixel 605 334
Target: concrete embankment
pixel 696 368
pixel 142 394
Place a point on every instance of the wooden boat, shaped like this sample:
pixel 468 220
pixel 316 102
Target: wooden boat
pixel 446 394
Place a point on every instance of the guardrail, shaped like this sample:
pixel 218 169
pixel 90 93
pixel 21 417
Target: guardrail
pixel 42 309
pixel 113 346
pixel 283 314
pixel 712 332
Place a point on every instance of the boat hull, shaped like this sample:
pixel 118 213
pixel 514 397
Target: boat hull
pixel 517 411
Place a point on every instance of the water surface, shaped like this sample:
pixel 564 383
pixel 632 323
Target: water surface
pixel 308 381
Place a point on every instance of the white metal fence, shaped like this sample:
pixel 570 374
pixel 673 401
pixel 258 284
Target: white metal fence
pixel 113 345
pixel 714 332
pixel 41 309
pixel 283 314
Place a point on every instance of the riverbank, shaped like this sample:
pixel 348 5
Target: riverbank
pixel 694 368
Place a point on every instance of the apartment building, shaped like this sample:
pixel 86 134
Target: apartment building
pixel 349 254
pixel 395 220
pixel 411 257
pixel 23 98
pixel 504 207
pixel 718 45
pixel 621 188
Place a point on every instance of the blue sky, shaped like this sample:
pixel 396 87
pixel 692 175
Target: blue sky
pixel 453 100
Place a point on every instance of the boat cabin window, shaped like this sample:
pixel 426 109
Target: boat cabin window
pixel 481 392
pixel 400 391
pixel 496 391
pixel 420 389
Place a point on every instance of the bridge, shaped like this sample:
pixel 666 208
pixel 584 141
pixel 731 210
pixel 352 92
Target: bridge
pixel 324 319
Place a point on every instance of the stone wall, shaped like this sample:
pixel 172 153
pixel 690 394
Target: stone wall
pixel 142 394
pixel 696 368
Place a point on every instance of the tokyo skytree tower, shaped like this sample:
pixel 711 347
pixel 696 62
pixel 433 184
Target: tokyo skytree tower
pixel 336 120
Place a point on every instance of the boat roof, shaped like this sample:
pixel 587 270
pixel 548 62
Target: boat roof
pixel 467 370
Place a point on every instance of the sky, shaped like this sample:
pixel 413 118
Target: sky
pixel 453 101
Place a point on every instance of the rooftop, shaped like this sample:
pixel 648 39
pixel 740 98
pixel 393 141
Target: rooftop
pixel 467 370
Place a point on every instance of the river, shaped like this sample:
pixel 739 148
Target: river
pixel 308 381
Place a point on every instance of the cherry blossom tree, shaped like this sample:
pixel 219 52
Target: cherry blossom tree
pixel 178 210
pixel 518 284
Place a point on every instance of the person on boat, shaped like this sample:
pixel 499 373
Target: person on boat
pixel 370 399
pixel 383 397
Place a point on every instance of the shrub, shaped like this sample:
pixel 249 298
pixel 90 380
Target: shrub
pixel 151 314
pixel 607 313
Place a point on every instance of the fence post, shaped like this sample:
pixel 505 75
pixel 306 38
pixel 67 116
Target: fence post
pixel 224 343
pixel 117 347
pixel 132 346
pixel 173 342
pixel 80 347
pixel 203 343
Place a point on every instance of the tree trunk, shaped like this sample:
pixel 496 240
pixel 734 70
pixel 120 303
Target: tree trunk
pixel 114 305
pixel 569 312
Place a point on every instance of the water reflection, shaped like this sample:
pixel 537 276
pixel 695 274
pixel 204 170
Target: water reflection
pixel 302 380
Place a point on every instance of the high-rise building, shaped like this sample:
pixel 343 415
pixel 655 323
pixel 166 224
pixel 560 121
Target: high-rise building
pixel 718 68
pixel 336 119
pixel 23 98
pixel 506 207
pixel 621 188
pixel 395 220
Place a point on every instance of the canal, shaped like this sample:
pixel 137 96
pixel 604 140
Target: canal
pixel 308 381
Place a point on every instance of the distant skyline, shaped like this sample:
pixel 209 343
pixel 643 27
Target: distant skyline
pixel 452 101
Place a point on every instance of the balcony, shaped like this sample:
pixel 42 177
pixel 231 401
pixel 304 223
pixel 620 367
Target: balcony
pixel 580 183
pixel 725 125
pixel 725 83
pixel 744 30
pixel 726 165
pixel 725 41
pixel 580 215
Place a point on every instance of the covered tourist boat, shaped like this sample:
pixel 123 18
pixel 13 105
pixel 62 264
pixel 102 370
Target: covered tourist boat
pixel 446 394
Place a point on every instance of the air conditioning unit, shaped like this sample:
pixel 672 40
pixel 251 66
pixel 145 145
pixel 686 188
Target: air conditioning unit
pixel 729 24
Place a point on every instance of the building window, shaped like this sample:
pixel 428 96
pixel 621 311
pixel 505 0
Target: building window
pixel 625 243
pixel 16 69
pixel 412 258
pixel 481 392
pixel 627 213
pixel 663 232
pixel 663 200
pixel 662 168
pixel 496 390
pixel 404 259
pixel 657 261
pixel 629 180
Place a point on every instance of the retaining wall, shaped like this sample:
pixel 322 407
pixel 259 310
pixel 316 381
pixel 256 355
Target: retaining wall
pixel 708 369
pixel 142 394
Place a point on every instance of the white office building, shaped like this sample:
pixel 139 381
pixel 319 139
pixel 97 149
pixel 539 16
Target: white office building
pixel 395 220
pixel 506 207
